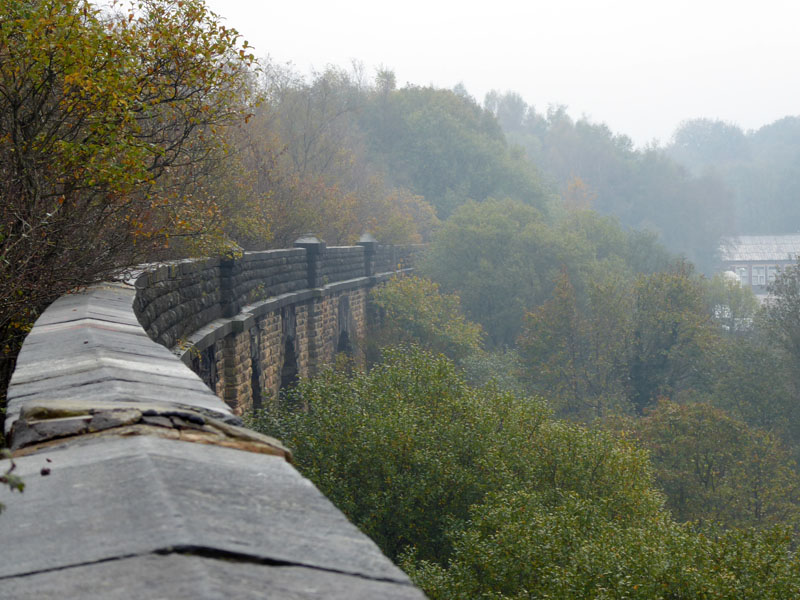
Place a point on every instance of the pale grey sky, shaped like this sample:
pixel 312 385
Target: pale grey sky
pixel 639 66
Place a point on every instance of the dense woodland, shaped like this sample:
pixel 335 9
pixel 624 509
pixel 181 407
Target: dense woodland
pixel 563 402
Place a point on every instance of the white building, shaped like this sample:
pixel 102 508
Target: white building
pixel 757 259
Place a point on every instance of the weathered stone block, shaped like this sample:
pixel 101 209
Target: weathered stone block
pixel 114 418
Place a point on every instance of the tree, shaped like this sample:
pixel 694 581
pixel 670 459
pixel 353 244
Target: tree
pixel 575 357
pixel 414 311
pixel 754 381
pixel 499 367
pixel 516 546
pixel 405 449
pixel 480 494
pixel 714 467
pixel 109 124
pixel 501 257
pixel 443 146
pixel 620 344
pixel 671 337
pixel 782 314
pixel 305 153
pixel 759 167
pixel 731 304
pixel 644 189
pixel 703 142
pixel 578 195
pixel 778 351
pixel 408 448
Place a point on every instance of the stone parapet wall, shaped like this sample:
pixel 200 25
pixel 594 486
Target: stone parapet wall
pixel 250 325
pixel 341 264
pixel 392 258
pixel 175 299
pixel 141 482
pixel 385 259
pixel 259 275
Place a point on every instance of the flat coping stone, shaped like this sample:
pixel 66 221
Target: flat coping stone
pixel 88 346
pixel 103 393
pixel 109 498
pixel 106 373
pixel 91 359
pixel 113 384
pixel 112 302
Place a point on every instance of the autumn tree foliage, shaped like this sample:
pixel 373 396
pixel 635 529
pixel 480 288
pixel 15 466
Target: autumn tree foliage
pixel 306 156
pixel 715 467
pixel 782 316
pixel 571 357
pixel 626 345
pixel 413 310
pixel 504 257
pixel 111 127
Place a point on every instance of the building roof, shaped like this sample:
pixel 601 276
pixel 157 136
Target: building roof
pixel 746 248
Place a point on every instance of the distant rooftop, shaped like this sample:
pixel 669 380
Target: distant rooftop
pixel 760 248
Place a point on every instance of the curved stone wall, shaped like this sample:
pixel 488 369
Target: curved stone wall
pixel 247 325
pixel 140 481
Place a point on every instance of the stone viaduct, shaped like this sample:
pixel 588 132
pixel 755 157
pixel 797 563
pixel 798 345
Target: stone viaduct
pixel 249 326
pixel 141 481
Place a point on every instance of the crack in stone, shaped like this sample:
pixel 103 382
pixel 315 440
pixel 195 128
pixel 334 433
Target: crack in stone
pixel 209 553
pixel 216 553
pixel 99 561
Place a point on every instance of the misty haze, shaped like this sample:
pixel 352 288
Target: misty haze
pixel 517 288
